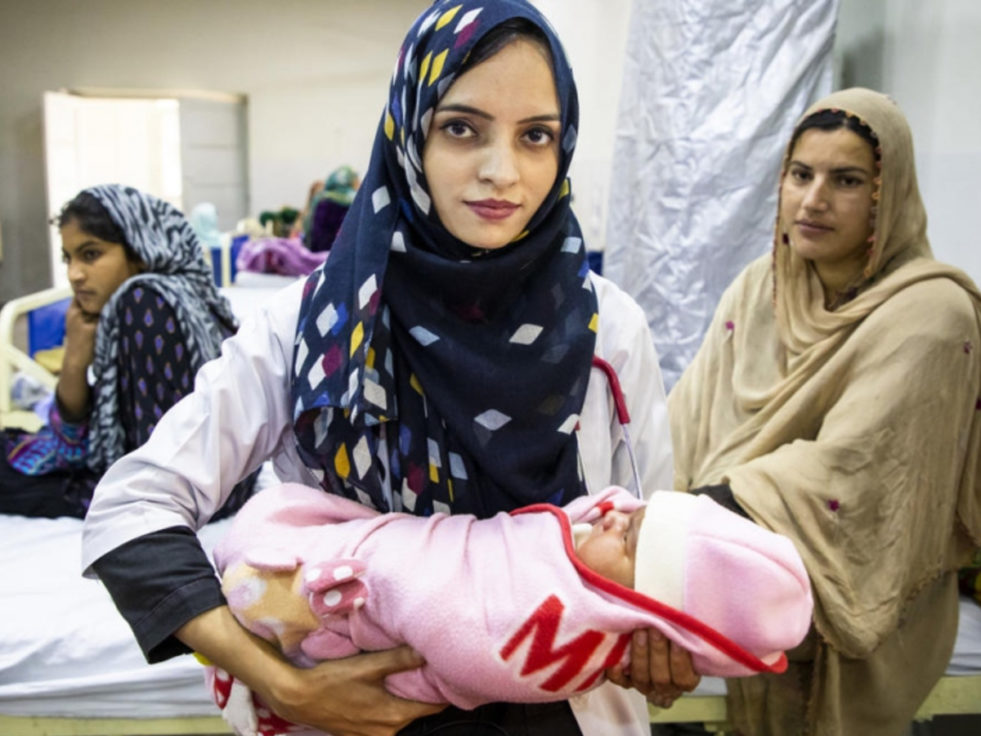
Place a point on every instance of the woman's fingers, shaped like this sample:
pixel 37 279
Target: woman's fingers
pixel 618 676
pixel 385 714
pixel 640 665
pixel 347 697
pixel 659 661
pixel 683 675
pixel 658 668
pixel 382 664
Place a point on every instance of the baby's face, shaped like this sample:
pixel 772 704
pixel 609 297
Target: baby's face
pixel 611 547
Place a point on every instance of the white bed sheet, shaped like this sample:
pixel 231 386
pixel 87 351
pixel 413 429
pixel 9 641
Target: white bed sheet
pixel 65 650
pixel 251 290
pixel 967 648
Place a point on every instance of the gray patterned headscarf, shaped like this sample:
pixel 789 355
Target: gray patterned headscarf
pixel 163 240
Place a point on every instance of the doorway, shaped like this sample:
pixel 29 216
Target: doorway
pixel 185 148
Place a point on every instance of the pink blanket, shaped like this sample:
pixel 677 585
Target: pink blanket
pixel 501 608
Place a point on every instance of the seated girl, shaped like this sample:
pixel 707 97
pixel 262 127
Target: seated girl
pixel 530 606
pixel 144 317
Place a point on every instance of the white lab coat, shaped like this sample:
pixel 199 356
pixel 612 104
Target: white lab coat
pixel 240 412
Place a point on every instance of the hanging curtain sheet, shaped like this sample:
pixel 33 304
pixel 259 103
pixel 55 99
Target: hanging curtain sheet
pixel 711 92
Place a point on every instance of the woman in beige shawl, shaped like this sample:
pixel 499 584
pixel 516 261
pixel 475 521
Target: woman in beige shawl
pixel 837 396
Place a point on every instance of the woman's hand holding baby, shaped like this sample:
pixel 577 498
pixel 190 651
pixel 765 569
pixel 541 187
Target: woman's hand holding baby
pixel 344 697
pixel 659 668
pixel 347 697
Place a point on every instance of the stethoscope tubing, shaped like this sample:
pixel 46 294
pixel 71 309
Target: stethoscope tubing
pixel 623 417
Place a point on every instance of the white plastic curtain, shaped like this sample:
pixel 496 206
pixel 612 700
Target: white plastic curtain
pixel 711 92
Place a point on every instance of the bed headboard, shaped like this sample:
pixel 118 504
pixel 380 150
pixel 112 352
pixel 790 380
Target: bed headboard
pixel 21 335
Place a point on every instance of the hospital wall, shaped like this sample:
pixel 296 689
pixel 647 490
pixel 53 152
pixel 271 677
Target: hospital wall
pixel 926 56
pixel 314 73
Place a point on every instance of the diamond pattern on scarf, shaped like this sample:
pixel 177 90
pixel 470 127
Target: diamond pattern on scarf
pixel 341 463
pixel 466 23
pixel 376 394
pixel 362 457
pixel 526 334
pixel 492 419
pixel 380 199
pixel 328 319
pixel 569 425
pixel 318 372
pixel 457 468
pixel 357 336
pixel 398 242
pixel 409 497
pixel 423 336
pixel 368 289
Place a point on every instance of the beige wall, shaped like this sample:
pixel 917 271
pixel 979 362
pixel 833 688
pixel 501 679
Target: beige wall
pixel 315 73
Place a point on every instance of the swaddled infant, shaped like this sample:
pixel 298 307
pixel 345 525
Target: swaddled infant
pixel 529 606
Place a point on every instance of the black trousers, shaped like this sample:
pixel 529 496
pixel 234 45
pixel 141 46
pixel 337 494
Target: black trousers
pixel 68 492
pixel 499 719
pixel 61 493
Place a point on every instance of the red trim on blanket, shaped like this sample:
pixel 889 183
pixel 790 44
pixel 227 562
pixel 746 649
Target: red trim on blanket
pixel 720 641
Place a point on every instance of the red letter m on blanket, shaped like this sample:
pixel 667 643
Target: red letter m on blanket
pixel 543 625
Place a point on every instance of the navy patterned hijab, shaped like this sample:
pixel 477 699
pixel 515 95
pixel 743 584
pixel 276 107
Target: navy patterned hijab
pixel 465 370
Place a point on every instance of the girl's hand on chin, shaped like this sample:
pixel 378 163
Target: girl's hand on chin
pixel 80 328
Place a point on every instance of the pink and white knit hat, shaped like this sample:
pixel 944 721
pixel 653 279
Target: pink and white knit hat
pixel 738 579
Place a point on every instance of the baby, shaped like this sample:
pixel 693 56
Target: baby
pixel 530 606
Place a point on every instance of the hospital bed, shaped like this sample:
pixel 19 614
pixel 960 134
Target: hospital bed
pixel 69 665
pixel 29 325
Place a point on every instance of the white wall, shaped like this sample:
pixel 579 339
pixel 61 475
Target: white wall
pixel 933 70
pixel 303 129
pixel 594 34
pixel 315 73
pixel 926 55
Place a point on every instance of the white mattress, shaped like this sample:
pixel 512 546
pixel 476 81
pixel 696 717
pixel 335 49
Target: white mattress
pixel 65 651
pixel 251 290
pixel 967 648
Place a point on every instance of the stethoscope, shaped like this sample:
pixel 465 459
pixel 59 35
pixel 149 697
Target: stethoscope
pixel 623 416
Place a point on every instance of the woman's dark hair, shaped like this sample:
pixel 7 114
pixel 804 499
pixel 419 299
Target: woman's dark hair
pixel 828 120
pixel 503 34
pixel 87 212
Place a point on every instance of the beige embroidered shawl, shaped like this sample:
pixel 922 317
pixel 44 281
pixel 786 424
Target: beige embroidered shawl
pixel 855 432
